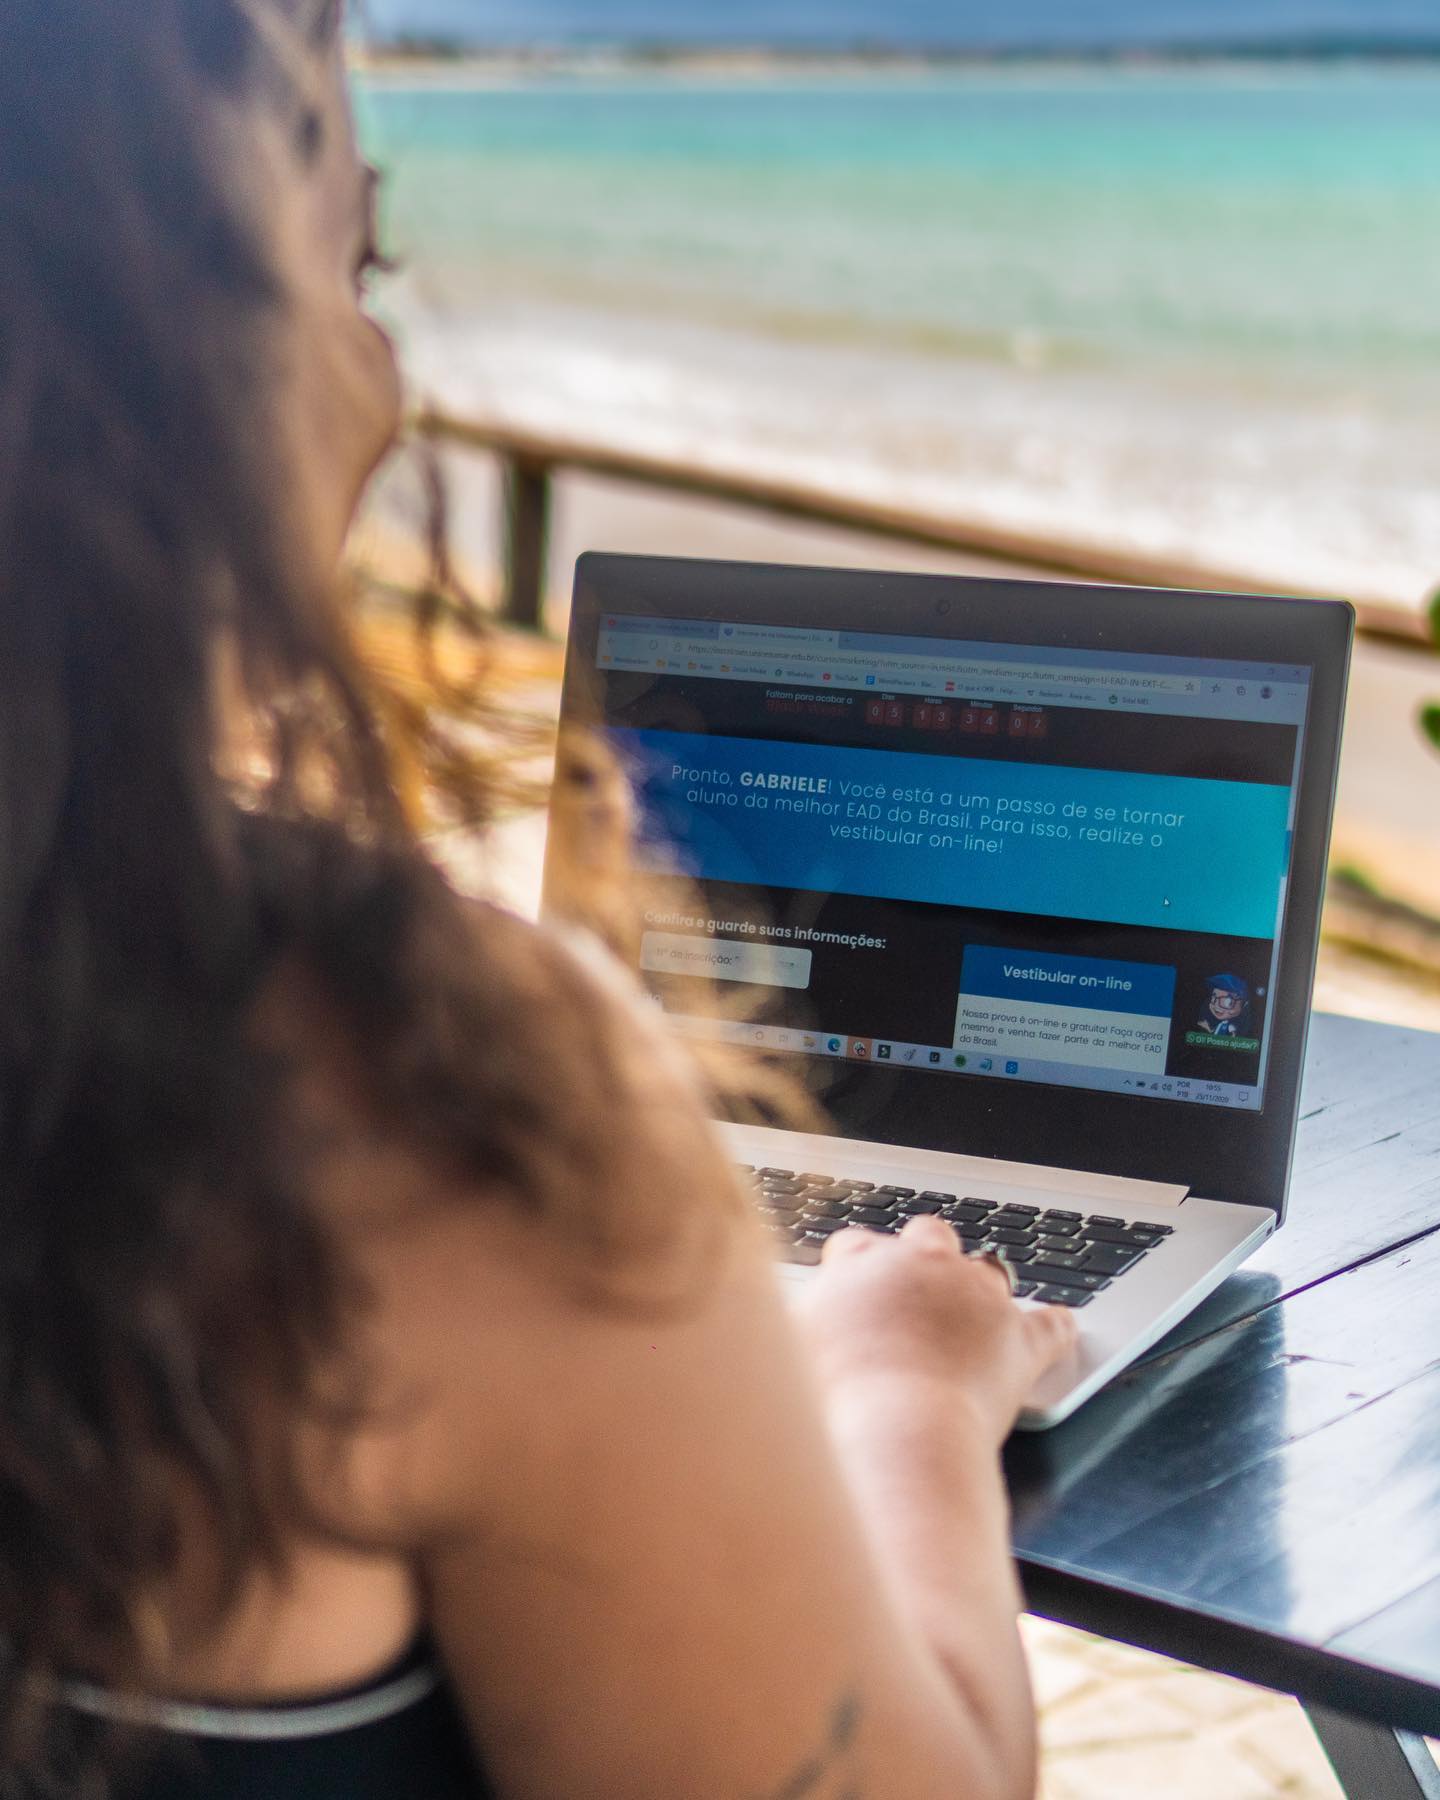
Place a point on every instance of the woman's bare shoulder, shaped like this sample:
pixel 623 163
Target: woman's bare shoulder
pixel 542 1021
pixel 484 1301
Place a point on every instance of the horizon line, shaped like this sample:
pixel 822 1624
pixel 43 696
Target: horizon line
pixel 875 47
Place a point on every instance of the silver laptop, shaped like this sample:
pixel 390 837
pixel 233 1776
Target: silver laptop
pixel 1022 878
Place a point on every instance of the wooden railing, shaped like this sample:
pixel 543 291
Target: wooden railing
pixel 529 464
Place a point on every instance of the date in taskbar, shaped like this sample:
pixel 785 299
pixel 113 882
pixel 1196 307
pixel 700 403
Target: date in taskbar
pixel 947 1059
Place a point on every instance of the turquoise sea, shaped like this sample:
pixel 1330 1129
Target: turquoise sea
pixel 1196 312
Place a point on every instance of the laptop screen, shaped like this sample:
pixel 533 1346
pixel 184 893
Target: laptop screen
pixel 1015 864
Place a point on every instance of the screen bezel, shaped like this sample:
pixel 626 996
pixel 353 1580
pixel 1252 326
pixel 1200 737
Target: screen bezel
pixel 1220 1154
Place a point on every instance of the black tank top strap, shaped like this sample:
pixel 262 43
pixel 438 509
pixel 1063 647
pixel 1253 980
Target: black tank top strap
pixel 396 1736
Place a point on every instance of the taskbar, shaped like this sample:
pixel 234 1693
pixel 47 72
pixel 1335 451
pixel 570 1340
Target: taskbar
pixel 947 1059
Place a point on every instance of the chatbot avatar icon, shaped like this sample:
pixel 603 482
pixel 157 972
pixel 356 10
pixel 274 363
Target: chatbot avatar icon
pixel 1227 1011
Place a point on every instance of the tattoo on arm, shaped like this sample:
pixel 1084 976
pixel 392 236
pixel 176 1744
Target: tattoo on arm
pixel 832 1773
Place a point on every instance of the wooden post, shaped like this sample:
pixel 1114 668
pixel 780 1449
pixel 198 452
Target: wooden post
pixel 525 491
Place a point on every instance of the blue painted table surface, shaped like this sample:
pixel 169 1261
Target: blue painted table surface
pixel 1261 1494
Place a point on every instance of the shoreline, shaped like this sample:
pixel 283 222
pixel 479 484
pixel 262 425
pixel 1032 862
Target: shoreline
pixel 1101 460
pixel 762 65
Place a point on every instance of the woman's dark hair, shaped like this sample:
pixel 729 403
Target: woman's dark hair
pixel 194 790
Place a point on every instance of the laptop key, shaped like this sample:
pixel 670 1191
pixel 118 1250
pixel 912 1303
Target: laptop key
pixel 984 1205
pixel 914 1209
pixel 1003 1235
pixel 860 1187
pixel 1065 1256
pixel 897 1193
pixel 970 1215
pixel 1105 1234
pixel 1069 1217
pixel 1014 1206
pixel 1015 1253
pixel 870 1215
pixel 1058 1296
pixel 1061 1228
pixel 1110 1259
pixel 1024 1289
pixel 827 1209
pixel 1071 1278
pixel 776 1174
pixel 970 1234
pixel 1103 1219
pixel 822 1228
pixel 939 1199
pixel 781 1203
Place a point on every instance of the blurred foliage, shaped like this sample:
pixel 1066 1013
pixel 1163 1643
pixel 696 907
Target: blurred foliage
pixel 1430 714
pixel 1352 876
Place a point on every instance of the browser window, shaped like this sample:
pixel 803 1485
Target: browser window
pixel 1004 862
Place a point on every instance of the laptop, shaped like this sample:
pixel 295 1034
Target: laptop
pixel 1021 878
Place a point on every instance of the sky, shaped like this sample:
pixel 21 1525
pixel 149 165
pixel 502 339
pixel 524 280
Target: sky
pixel 954 22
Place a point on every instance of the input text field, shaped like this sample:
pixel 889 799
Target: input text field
pixel 722 959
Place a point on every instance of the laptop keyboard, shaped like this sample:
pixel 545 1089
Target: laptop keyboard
pixel 1060 1257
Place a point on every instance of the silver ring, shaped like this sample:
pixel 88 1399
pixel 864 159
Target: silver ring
pixel 1005 1268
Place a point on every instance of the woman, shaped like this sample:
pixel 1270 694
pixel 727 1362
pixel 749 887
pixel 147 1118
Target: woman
pixel 395 1397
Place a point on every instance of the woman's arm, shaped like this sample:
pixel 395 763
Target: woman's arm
pixel 923 1359
pixel 682 1546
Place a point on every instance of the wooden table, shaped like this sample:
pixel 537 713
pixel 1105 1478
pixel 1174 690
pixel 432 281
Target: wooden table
pixel 1261 1495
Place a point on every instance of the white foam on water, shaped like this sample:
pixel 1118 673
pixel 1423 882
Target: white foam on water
pixel 1326 490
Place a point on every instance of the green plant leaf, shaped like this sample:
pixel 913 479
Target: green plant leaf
pixel 1430 723
pixel 1432 612
pixel 1351 875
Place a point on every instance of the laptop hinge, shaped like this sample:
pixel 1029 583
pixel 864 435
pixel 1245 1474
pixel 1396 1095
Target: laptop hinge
pixel 1087 1183
pixel 933 1168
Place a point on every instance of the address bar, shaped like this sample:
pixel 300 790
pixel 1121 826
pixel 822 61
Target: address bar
pixel 792 661
pixel 1010 675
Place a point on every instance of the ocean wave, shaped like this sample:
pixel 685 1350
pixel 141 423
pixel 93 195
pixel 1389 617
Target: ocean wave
pixel 1330 497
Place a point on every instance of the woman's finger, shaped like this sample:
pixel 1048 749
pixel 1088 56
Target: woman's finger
pixel 1051 1333
pixel 930 1233
pixel 987 1259
pixel 850 1242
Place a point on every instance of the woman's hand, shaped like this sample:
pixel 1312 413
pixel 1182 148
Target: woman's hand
pixel 913 1308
